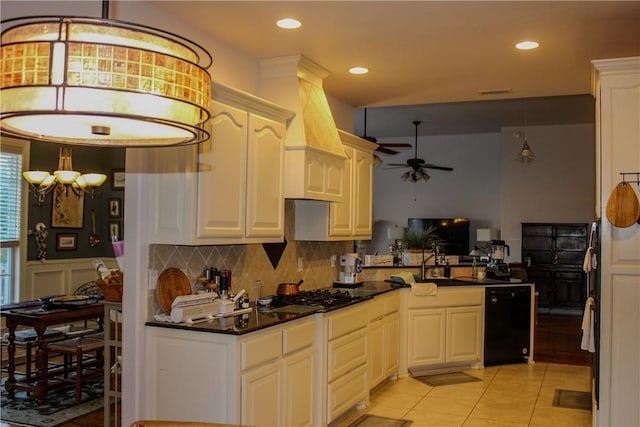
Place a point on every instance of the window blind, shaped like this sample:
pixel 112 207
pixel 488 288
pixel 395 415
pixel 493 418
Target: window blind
pixel 10 196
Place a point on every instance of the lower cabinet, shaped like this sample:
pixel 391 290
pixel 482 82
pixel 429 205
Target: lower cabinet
pixel 264 378
pixel 382 338
pixel 445 328
pixel 559 288
pixel 343 353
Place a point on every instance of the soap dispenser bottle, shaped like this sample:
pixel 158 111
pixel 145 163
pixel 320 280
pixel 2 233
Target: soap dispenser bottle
pixel 447 270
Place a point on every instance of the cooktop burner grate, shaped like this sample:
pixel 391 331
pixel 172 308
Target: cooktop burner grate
pixel 323 297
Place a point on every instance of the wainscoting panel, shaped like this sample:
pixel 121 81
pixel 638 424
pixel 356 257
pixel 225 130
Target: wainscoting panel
pixel 58 277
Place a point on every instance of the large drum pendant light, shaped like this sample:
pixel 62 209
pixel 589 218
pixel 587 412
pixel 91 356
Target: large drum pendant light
pixel 90 81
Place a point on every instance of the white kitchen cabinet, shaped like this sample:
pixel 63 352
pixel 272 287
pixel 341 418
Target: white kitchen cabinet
pixel 342 351
pixel 382 338
pixel 427 329
pixel 228 189
pixel 616 87
pixel 445 328
pixel 463 338
pixel 260 390
pixel 266 377
pixel 350 219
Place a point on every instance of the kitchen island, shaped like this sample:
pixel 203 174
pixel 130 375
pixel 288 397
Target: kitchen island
pixel 308 368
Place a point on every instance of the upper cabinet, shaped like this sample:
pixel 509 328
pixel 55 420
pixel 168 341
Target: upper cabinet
pixel 350 219
pixel 229 189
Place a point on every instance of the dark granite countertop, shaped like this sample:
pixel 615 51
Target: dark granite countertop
pixel 265 317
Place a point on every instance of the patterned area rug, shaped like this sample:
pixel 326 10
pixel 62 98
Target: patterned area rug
pixel 572 399
pixel 448 378
pixel 60 405
pixel 375 421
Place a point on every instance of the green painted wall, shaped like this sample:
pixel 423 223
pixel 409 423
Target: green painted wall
pixel 44 156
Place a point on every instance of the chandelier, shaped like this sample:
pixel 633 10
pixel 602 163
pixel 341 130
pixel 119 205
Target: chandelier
pixel 99 81
pixel 42 182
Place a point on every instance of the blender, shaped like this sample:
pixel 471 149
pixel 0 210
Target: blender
pixel 496 267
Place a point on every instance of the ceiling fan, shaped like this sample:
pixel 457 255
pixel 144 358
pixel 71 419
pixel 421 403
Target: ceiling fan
pixel 417 165
pixel 383 148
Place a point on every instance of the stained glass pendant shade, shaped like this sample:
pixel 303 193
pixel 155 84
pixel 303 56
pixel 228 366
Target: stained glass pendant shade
pixel 91 81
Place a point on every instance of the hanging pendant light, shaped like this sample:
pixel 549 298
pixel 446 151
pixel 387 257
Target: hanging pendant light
pixel 42 182
pixel 90 81
pixel 526 155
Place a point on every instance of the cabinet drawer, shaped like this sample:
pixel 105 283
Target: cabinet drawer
pixel 346 353
pixel 346 392
pixel 347 320
pixel 392 303
pixel 448 298
pixel 260 349
pixel 568 275
pixel 298 336
pixel 376 308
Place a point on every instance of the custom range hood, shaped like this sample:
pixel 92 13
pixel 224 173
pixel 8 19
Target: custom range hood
pixel 314 155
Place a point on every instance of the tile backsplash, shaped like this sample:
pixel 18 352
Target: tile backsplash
pixel 249 263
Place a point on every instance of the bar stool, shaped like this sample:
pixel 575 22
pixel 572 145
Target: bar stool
pixel 86 353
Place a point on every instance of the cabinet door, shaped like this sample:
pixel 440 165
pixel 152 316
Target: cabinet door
pixel 222 174
pixel 299 388
pixel 341 221
pixel 363 178
pixel 261 394
pixel 265 200
pixel 570 289
pixel 426 336
pixel 376 347
pixel 392 338
pixel 464 334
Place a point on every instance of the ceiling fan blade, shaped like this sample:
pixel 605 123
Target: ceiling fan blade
pixel 399 164
pixel 395 144
pixel 386 150
pixel 442 168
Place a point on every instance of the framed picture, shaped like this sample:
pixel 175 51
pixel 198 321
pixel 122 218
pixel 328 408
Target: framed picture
pixel 67 207
pixel 114 231
pixel 117 179
pixel 115 208
pixel 67 241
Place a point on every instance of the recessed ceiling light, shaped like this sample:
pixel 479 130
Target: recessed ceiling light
pixel 289 23
pixel 527 45
pixel 359 70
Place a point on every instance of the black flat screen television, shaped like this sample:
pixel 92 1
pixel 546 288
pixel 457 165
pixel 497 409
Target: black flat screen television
pixel 453 231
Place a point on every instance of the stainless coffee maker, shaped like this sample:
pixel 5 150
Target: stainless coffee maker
pixel 496 267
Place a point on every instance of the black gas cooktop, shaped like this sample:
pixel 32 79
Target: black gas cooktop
pixel 328 298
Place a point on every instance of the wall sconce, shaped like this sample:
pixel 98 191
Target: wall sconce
pixel 42 182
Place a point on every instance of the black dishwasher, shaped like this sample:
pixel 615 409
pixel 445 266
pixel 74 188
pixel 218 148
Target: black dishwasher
pixel 507 325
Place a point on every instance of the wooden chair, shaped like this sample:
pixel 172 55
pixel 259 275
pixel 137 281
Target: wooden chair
pixel 82 355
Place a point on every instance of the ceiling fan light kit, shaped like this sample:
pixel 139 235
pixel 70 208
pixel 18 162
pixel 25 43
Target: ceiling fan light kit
pixel 418 166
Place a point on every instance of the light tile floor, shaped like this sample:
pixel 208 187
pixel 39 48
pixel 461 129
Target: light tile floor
pixel 508 396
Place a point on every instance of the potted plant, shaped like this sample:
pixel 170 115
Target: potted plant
pixel 423 239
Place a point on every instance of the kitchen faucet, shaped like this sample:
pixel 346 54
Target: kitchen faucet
pixel 423 269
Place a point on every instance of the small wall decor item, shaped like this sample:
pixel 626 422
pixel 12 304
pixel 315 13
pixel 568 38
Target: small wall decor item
pixel 67 208
pixel 117 179
pixel 41 233
pixel 67 241
pixel 115 208
pixel 114 231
